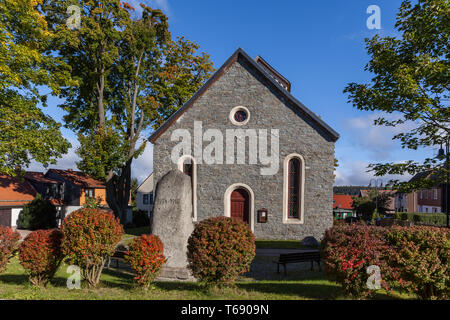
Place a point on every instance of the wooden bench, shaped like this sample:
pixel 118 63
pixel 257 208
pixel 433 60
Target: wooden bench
pixel 117 256
pixel 286 258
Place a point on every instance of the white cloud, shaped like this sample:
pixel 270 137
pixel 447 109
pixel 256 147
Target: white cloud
pixel 143 166
pixel 67 161
pixel 355 173
pixel 377 140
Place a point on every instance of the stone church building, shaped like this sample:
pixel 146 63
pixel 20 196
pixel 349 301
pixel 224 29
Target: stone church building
pixel 281 180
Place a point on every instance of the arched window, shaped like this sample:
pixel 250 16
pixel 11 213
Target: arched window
pixel 187 165
pixel 293 188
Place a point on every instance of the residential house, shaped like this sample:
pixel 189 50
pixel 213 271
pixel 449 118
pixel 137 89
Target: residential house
pixel 281 193
pixel 76 188
pixel 343 206
pixel 14 194
pixel 422 200
pixel 145 195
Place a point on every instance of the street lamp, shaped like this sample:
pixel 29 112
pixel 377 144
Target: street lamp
pixel 445 186
pixel 376 182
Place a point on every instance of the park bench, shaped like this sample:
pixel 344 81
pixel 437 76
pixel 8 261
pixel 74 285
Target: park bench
pixel 119 255
pixel 286 258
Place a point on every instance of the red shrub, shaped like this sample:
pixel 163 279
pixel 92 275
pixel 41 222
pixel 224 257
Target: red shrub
pixel 9 240
pixel 220 249
pixel 421 256
pixel 90 238
pixel 146 258
pixel 348 250
pixel 40 254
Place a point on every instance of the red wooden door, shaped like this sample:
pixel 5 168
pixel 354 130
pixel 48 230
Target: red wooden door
pixel 5 217
pixel 240 205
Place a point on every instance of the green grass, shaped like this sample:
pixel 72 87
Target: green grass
pixel 131 233
pixel 303 285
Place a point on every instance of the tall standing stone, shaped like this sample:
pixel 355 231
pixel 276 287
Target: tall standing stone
pixel 172 221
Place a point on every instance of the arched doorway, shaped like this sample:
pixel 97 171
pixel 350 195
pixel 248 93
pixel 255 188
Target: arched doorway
pixel 240 205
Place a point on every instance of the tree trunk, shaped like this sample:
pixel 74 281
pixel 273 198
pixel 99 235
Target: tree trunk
pixel 118 191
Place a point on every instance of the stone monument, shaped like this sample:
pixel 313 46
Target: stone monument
pixel 172 222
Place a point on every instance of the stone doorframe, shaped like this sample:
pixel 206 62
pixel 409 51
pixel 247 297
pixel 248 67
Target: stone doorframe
pixel 227 202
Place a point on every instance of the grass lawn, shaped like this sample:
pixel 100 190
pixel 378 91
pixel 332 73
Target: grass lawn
pixel 303 285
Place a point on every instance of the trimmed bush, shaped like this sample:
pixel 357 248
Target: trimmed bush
pixel 146 258
pixel 348 250
pixel 220 249
pixel 434 219
pixel 90 238
pixel 40 254
pixel 422 257
pixel 140 218
pixel 9 241
pixel 38 214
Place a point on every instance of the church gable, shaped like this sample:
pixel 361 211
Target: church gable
pixel 222 81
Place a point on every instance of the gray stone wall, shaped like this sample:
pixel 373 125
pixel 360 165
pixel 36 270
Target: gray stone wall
pixel 240 85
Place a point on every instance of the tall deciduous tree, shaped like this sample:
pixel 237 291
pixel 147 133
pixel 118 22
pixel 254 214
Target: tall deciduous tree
pixel 132 77
pixel 26 133
pixel 411 80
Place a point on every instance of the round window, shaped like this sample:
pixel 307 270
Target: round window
pixel 239 115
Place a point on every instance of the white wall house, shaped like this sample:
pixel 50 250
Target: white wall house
pixel 145 195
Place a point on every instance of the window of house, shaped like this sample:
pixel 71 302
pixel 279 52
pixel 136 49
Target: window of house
pixel 293 189
pixel 239 115
pixel 89 193
pixel 145 199
pixel 435 194
pixel 151 197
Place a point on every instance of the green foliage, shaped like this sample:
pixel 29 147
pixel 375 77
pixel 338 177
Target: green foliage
pixel 9 241
pixel 410 86
pixel 132 76
pixel 146 258
pixel 92 203
pixel 40 254
pixel 422 256
pixel 90 238
pixel 366 206
pixel 220 249
pixel 25 69
pixel 437 219
pixel 38 214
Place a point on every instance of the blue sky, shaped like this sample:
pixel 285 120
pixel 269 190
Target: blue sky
pixel 317 45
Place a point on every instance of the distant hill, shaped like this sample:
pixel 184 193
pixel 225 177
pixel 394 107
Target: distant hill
pixel 351 190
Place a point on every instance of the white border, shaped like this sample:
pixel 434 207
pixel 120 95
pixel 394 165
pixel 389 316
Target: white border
pixel 234 110
pixel 194 182
pixel 301 195
pixel 227 200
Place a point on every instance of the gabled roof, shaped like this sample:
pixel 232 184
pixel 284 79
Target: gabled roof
pixel 38 177
pixel 14 192
pixel 234 57
pixel 145 180
pixel 342 201
pixel 78 178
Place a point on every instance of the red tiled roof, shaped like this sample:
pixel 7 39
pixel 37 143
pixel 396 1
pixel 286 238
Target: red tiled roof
pixel 38 177
pixel 342 201
pixel 79 178
pixel 14 192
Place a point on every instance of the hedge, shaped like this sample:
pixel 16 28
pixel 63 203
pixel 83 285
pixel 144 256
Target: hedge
pixel 435 219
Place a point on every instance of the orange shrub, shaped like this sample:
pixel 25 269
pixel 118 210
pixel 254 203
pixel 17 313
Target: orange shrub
pixel 40 254
pixel 90 238
pixel 146 258
pixel 220 249
pixel 9 240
